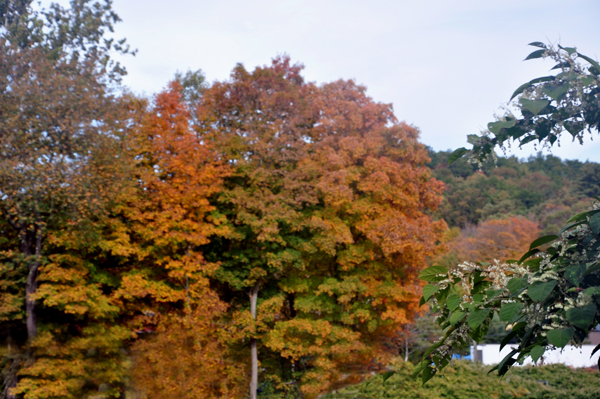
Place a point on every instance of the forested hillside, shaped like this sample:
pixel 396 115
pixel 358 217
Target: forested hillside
pixel 497 211
pixel 543 188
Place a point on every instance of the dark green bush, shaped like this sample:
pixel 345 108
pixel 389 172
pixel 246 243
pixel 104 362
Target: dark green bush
pixel 467 380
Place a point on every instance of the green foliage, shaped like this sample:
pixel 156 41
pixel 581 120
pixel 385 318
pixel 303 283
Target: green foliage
pixel 466 380
pixel 193 84
pixel 560 301
pixel 549 296
pixel 543 301
pixel 549 106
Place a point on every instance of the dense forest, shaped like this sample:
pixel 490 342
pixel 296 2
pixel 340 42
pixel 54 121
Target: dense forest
pixel 262 232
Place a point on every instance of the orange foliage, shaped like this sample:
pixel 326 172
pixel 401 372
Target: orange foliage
pixel 496 239
pixel 372 236
pixel 162 222
pixel 182 358
pixel 169 218
pixel 108 272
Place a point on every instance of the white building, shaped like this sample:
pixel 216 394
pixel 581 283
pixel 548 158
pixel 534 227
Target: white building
pixel 570 356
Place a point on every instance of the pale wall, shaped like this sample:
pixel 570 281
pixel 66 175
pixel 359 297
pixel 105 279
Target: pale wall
pixel 570 355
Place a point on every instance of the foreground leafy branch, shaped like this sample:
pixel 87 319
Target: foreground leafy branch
pixel 550 296
pixel 547 298
pixel 549 106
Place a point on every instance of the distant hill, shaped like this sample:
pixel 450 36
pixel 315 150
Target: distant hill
pixel 542 188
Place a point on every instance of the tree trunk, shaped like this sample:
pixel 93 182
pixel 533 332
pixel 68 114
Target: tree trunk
pixel 10 385
pixel 31 282
pixel 9 379
pixel 253 343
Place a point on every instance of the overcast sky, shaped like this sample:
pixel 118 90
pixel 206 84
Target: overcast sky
pixel 446 66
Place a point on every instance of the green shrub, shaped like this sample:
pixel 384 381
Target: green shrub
pixel 467 380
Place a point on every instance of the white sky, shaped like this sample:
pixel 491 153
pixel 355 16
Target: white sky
pixel 447 66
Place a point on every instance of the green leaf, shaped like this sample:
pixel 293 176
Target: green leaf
pixel 478 298
pixel 432 349
pixel 570 226
pixel 515 284
pixel 473 139
pixel 422 301
pixel 592 269
pixel 434 273
pixel 478 276
pixel 561 65
pixel 592 291
pixel 537 352
pixel 456 317
pixel 583 216
pixel 540 290
pixel 479 333
pixel 429 290
pixel 508 361
pixel 420 367
pixel 574 273
pixel 573 127
pixel 525 86
pixel 495 127
pixel 560 338
pixel 453 301
pixel 534 106
pixel 428 374
pixel 537 44
pixel 527 139
pixel 533 263
pixel 491 294
pixel 595 223
pixel 457 154
pixel 556 92
pixel 529 254
pixel 510 336
pixel 535 54
pixel 509 311
pixel 477 317
pixel 591 61
pixel 570 50
pixel 587 80
pixel 528 333
pixel 386 376
pixel 441 295
pixel 582 317
pixel 543 240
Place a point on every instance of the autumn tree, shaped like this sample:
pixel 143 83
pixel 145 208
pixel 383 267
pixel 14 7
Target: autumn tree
pixel 372 233
pixel 496 239
pixel 55 103
pixel 183 357
pixel 329 205
pixel 260 123
pixel 164 288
